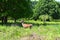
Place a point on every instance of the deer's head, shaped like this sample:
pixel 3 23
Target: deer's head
pixel 22 21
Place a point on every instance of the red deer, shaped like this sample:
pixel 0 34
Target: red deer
pixel 26 25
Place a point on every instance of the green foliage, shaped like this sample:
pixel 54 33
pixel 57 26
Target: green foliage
pixel 16 8
pixel 49 7
pixel 3 7
pixel 45 17
pixel 19 8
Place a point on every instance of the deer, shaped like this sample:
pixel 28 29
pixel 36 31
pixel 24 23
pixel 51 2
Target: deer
pixel 26 25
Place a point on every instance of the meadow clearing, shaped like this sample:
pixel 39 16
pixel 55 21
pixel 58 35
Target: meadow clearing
pixel 51 30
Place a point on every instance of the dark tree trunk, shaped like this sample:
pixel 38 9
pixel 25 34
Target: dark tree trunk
pixel 15 20
pixel 2 20
pixel 5 19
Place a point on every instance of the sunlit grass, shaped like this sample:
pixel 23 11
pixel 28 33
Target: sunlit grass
pixel 15 33
pixel 41 22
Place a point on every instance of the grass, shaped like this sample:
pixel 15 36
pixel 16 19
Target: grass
pixel 40 22
pixel 16 32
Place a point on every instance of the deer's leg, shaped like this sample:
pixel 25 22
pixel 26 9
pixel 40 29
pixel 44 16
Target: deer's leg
pixel 30 27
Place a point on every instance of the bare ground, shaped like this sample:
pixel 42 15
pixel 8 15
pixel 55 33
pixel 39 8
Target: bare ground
pixel 34 37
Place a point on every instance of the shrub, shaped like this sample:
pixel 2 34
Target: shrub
pixel 45 18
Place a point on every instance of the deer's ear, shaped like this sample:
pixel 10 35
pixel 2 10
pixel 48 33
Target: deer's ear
pixel 22 21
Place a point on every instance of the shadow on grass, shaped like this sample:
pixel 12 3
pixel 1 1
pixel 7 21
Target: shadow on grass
pixel 11 24
pixel 19 24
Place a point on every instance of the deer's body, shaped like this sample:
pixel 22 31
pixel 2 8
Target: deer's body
pixel 26 25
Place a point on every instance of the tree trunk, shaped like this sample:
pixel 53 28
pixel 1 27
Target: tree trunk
pixel 5 19
pixel 44 21
pixel 2 20
pixel 15 20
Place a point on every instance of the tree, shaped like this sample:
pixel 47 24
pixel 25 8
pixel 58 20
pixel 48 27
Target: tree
pixel 15 9
pixel 3 11
pixel 19 9
pixel 49 7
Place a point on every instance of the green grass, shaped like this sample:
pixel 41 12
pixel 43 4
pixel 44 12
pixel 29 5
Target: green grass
pixel 41 22
pixel 16 32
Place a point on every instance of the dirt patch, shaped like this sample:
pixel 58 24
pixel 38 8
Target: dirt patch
pixel 57 38
pixel 34 37
pixel 25 38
